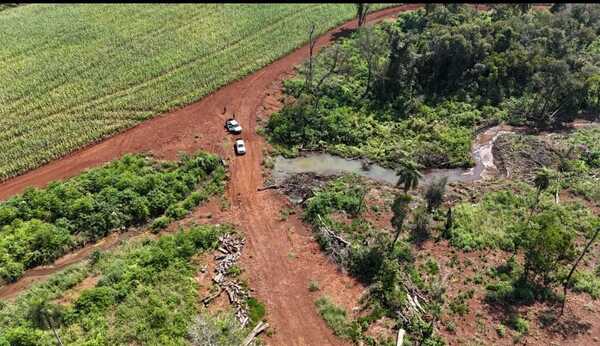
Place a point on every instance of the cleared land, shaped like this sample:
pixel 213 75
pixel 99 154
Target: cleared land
pixel 76 74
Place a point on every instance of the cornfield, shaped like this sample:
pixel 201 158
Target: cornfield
pixel 74 74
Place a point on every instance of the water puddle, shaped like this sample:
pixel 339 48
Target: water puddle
pixel 327 165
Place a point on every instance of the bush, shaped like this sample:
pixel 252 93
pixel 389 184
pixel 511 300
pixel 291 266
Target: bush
pixel 500 330
pixel 336 319
pixel 160 223
pixel 222 329
pixel 519 324
pixel 588 282
pixel 24 336
pixel 313 286
pixel 94 300
pixel 256 310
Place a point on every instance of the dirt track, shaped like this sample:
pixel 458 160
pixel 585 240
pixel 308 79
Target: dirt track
pixel 281 257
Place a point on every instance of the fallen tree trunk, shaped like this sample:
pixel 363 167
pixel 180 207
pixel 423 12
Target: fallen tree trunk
pixel 257 330
pixel 211 297
pixel 269 187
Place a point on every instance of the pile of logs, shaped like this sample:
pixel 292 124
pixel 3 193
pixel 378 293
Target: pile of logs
pixel 230 250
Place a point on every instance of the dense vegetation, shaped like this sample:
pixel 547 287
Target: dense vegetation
pixel 145 295
pixel 42 224
pixel 85 72
pixel 418 87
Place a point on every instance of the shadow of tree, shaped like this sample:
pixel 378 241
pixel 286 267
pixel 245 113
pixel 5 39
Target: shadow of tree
pixel 567 325
pixel 342 33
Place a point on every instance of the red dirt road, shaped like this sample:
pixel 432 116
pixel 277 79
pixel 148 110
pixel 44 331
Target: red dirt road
pixel 281 258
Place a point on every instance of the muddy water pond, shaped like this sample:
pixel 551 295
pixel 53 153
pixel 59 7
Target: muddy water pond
pixel 327 165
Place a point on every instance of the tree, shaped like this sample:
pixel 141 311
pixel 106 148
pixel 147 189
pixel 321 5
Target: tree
pixel 400 209
pixel 429 8
pixel 541 182
pixel 448 224
pixel 368 51
pixel 557 7
pixel 311 47
pixel 435 193
pixel 547 244
pixel 408 175
pixel 362 10
pixel 422 221
pixel 524 7
pixel 568 279
pixel 43 315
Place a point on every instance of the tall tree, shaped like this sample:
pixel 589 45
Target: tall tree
pixel 408 175
pixel 400 209
pixel 311 46
pixel 434 193
pixel 362 10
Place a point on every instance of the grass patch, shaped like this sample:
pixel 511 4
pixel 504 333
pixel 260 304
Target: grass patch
pixel 256 310
pixel 336 319
pixel 588 282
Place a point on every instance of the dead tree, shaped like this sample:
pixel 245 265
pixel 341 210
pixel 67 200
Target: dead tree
pixel 368 54
pixel 568 279
pixel 311 46
pixel 334 64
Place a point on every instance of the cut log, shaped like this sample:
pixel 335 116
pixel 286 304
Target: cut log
pixel 400 338
pixel 257 330
pixel 213 296
pixel 269 187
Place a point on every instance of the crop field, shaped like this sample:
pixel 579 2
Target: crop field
pixel 75 74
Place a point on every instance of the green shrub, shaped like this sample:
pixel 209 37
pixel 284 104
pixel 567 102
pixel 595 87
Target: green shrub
pixel 160 223
pixel 500 330
pixel 588 282
pixel 256 310
pixel 313 286
pixel 459 305
pixel 519 324
pixel 24 336
pixel 336 319
pixel 94 300
pixel 176 212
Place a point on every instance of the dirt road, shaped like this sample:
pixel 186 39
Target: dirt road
pixel 281 257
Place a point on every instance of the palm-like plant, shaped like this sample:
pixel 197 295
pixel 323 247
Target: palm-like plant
pixel 541 182
pixel 400 209
pixel 408 175
pixel 42 314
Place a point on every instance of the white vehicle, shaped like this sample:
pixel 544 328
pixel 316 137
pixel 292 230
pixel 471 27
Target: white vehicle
pixel 233 126
pixel 240 147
